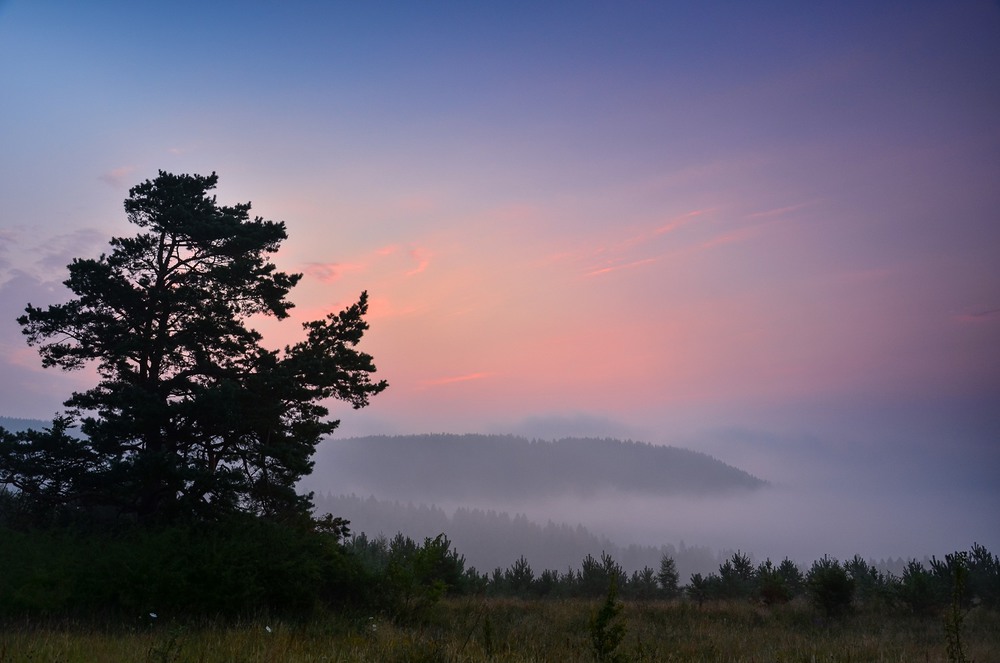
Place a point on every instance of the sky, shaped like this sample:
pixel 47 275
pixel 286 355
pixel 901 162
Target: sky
pixel 769 231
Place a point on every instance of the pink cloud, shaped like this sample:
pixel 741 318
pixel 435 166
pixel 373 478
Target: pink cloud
pixel 624 247
pixel 865 275
pixel 455 378
pixel 25 357
pixel 778 211
pixel 382 307
pixel 382 259
pixel 327 272
pixel 745 232
pixel 980 316
pixel 118 177
pixel 730 237
pixel 422 258
pixel 615 268
pixel 682 220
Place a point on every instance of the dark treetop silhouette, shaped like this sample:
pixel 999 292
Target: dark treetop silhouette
pixel 191 417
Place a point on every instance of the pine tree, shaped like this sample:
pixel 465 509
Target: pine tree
pixel 191 416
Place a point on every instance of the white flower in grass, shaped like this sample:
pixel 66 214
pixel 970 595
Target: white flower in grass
pixel 152 615
pixel 267 628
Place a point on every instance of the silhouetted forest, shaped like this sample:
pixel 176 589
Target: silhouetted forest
pixel 16 425
pixel 490 539
pixel 451 468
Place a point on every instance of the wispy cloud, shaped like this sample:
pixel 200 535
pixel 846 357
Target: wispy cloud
pixel 57 252
pixel 415 260
pixel 773 217
pixel 778 211
pixel 980 316
pixel 383 307
pixel 678 221
pixel 422 259
pixel 738 235
pixel 118 177
pixel 437 382
pixel 619 255
pixel 7 240
pixel 615 268
pixel 329 271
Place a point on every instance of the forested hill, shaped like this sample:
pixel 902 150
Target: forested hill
pixel 456 467
pixel 15 425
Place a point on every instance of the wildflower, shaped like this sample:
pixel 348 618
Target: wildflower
pixel 267 628
pixel 152 615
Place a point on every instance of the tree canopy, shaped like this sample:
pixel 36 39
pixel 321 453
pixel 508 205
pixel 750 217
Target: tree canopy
pixel 191 416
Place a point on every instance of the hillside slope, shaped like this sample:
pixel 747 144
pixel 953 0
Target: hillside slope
pixel 458 467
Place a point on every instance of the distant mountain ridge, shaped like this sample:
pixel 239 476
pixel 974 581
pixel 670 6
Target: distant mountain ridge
pixel 449 467
pixel 456 467
pixel 16 424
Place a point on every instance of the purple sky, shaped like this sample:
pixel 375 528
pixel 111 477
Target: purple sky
pixel 669 221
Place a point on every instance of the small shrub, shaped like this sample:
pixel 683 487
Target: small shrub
pixel 668 577
pixel 642 585
pixel 519 578
pixel 737 575
pixel 697 589
pixel 595 576
pixel 830 587
pixel 983 576
pixel 771 586
pixel 605 632
pixel 917 589
pixel 958 565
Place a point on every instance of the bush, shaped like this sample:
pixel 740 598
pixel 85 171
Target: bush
pixel 830 587
pixel 668 577
pixel 918 589
pixel 406 579
pixel 642 585
pixel 871 586
pixel 519 579
pixel 606 633
pixel 983 583
pixel 596 576
pixel 771 586
pixel 736 576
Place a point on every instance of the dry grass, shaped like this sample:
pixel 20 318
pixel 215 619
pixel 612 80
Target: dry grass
pixel 505 630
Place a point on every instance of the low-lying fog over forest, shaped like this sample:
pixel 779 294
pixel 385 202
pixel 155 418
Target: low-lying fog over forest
pixel 559 495
pixel 761 238
pixel 770 495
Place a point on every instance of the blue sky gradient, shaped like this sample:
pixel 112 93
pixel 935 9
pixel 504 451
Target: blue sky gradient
pixel 668 221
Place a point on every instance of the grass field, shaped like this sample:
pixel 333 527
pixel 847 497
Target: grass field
pixel 476 629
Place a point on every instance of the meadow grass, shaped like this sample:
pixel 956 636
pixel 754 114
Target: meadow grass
pixel 502 629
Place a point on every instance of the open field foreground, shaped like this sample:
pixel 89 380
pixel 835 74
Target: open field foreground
pixel 495 629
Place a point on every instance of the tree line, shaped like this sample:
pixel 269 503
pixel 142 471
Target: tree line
pixel 245 565
pixel 170 485
pixel 490 538
pixel 832 586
